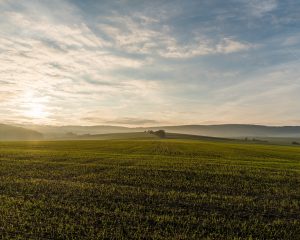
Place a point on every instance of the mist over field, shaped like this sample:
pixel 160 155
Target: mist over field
pixel 38 132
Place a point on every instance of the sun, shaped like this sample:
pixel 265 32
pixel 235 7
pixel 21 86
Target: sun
pixel 34 106
pixel 36 110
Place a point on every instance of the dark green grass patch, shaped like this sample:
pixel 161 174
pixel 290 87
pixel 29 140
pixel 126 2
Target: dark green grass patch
pixel 148 189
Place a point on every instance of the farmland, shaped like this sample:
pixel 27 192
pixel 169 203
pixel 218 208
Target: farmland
pixel 149 188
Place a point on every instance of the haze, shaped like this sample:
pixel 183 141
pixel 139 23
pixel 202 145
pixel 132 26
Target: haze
pixel 144 63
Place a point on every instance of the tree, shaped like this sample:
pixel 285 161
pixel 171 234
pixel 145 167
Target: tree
pixel 160 133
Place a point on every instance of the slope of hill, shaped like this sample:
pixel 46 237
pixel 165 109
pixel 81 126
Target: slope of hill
pixel 108 136
pixel 61 131
pixel 195 137
pixel 225 130
pixel 235 130
pixel 143 136
pixel 8 132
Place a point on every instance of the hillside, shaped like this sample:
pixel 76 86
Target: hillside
pixel 8 132
pixel 61 131
pixel 141 136
pixel 235 130
pixel 223 131
pixel 134 135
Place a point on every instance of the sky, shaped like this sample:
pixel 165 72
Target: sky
pixel 147 63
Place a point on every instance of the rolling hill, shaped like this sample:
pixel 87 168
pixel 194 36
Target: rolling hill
pixel 141 136
pixel 8 132
pixel 223 131
pixel 235 130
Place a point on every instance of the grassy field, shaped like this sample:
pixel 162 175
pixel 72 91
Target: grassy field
pixel 150 189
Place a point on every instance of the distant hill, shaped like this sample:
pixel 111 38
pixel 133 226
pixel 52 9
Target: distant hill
pixel 8 132
pixel 223 131
pixel 235 130
pixel 107 136
pixel 195 137
pixel 141 136
pixel 62 131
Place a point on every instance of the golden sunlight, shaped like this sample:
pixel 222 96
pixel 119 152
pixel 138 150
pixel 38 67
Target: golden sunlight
pixel 34 106
pixel 36 110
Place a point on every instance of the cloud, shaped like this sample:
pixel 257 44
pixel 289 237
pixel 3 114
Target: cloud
pixel 134 121
pixel 129 121
pixel 204 48
pixel 291 40
pixel 258 8
pixel 132 36
pixel 148 62
pixel 5 95
pixel 62 60
pixel 228 45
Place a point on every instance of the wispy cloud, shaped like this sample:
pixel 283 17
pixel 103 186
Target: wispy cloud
pixel 204 47
pixel 145 37
pixel 149 62
pixel 258 8
pixel 126 121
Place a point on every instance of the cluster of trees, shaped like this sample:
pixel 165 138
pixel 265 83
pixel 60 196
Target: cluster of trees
pixel 159 133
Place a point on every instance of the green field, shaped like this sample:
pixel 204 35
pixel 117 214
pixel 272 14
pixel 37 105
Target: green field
pixel 149 189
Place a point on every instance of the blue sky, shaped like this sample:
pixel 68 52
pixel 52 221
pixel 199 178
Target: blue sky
pixel 142 63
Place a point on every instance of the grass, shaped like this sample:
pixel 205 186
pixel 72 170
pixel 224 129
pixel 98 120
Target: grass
pixel 149 189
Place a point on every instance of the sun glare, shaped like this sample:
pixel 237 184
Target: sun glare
pixel 36 110
pixel 34 105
